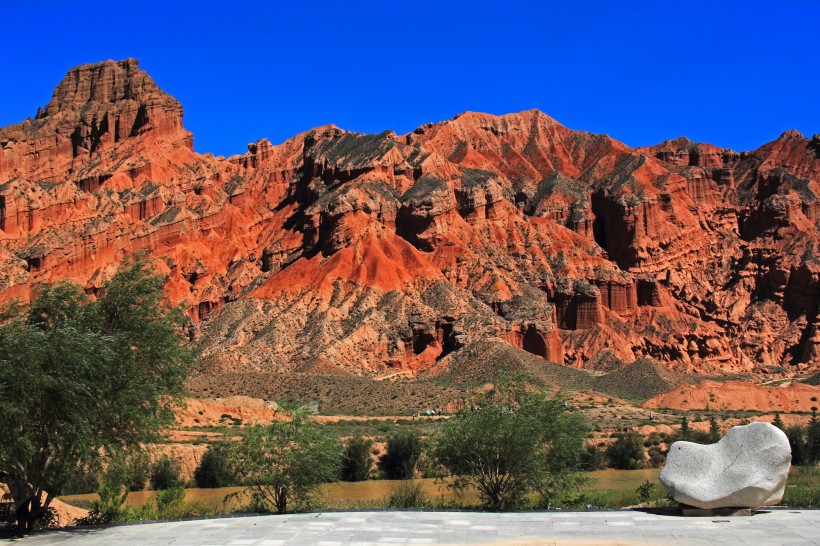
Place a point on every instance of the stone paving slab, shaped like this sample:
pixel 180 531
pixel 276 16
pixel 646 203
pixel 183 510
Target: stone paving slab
pixel 412 527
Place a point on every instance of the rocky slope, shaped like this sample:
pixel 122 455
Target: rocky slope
pixel 343 253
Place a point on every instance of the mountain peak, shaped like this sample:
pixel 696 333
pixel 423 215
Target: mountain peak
pixel 790 134
pixel 103 83
pixel 93 108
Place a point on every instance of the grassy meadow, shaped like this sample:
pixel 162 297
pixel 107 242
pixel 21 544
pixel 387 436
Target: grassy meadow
pixel 606 489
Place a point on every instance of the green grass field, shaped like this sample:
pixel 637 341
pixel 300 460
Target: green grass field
pixel 607 489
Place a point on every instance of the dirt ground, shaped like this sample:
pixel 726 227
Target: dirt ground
pixel 732 395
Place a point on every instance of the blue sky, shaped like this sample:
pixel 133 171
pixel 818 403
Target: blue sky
pixel 736 74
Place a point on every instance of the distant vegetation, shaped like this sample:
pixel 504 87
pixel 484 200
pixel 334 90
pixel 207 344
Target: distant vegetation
pixel 640 380
pixel 401 457
pixel 521 450
pixel 357 461
pixel 214 469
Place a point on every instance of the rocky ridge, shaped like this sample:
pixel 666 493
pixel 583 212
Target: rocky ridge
pixel 343 253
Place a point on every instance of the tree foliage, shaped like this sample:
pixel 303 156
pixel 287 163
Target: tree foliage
pixel 214 469
pixel 80 379
pixel 139 471
pixel 401 456
pixel 688 434
pixel 112 495
pixel 813 440
pixel 627 452
pixel 283 464
pixel 797 442
pixel 523 443
pixel 165 473
pixel 356 463
pixel 684 428
pixel 715 432
pixel 591 458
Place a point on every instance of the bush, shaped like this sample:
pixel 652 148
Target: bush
pixel 165 473
pixel 627 452
pixel 560 488
pixel 813 440
pixel 507 454
pixel 214 469
pixel 285 462
pixel 656 456
pixel 797 442
pixel 401 456
pixel 139 471
pixel 114 486
pixel 408 494
pixel 715 432
pixel 803 488
pixel 357 462
pixel 654 439
pixel 688 434
pixel 48 518
pixel 108 508
pixel 170 501
pixel 591 458
pixel 644 491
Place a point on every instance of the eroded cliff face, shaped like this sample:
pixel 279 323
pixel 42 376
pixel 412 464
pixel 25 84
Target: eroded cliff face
pixel 337 252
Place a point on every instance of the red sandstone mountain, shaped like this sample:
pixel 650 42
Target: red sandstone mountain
pixel 337 252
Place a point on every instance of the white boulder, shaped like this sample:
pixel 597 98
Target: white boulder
pixel 747 468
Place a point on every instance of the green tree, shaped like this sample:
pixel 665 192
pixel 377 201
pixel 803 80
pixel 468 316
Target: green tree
pixel 687 433
pixel 591 458
pixel 112 495
pixel 80 379
pixel 170 501
pixel 508 450
pixel 283 464
pixel 813 439
pixel 626 452
pixel 165 473
pixel 778 422
pixel 684 428
pixel 214 469
pixel 401 456
pixel 715 432
pixel 139 471
pixel 115 481
pixel 357 462
pixel 797 441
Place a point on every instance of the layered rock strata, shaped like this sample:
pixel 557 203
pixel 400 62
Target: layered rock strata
pixel 338 252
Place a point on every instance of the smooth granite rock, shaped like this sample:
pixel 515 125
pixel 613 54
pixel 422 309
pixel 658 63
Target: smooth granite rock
pixel 747 468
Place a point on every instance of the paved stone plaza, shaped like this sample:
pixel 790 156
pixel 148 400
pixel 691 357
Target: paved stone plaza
pixel 410 527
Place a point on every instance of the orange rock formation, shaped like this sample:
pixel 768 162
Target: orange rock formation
pixel 352 253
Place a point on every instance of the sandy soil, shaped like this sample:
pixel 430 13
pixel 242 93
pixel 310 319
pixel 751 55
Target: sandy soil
pixel 731 395
pixel 67 514
pixel 209 412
